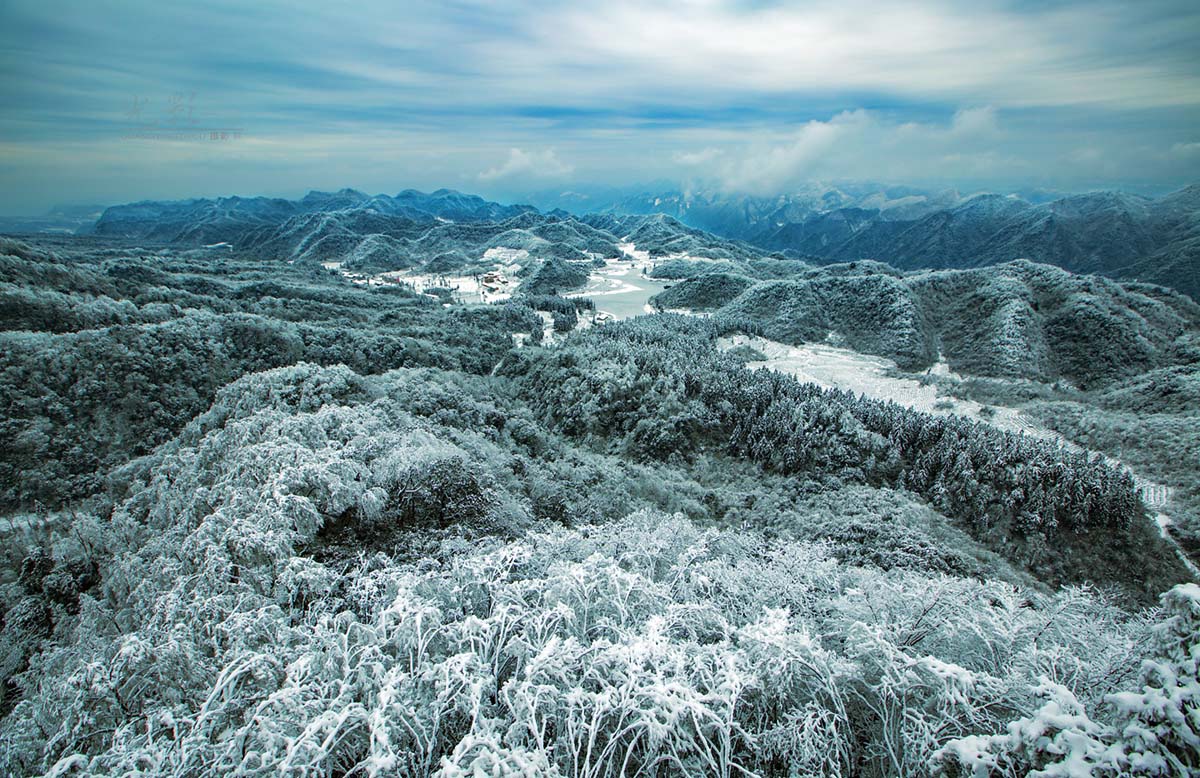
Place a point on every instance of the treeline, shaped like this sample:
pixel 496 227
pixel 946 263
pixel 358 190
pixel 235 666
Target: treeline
pixel 564 311
pixel 657 389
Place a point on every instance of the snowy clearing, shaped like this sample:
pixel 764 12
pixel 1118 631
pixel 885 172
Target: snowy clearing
pixel 840 368
pixel 483 288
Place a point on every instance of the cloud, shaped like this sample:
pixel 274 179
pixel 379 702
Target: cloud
pixel 865 145
pixel 974 121
pixel 768 169
pixel 397 93
pixel 696 157
pixel 1186 150
pixel 528 164
pixel 1104 53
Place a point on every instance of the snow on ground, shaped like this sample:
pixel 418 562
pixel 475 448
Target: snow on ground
pixel 632 251
pixel 611 279
pixel 548 328
pixel 467 289
pixel 506 256
pixel 1156 495
pixel 840 368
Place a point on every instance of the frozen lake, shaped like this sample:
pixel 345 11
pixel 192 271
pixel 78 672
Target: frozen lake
pixel 620 290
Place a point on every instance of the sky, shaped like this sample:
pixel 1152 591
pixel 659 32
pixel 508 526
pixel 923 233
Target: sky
pixel 108 101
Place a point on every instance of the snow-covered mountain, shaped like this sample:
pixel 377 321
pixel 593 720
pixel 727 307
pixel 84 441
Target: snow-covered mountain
pixel 205 221
pixel 1115 234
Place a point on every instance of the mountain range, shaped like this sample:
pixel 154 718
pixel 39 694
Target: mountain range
pixel 225 219
pixel 442 231
pixel 1115 234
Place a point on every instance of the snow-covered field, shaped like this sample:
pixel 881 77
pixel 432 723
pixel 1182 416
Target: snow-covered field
pixel 503 255
pixel 467 289
pixel 875 377
pixel 841 368
pixel 632 251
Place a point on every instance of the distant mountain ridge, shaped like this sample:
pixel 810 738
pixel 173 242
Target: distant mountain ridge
pixel 61 219
pixel 368 239
pixel 1109 233
pixel 227 219
pixel 1113 234
pixel 444 230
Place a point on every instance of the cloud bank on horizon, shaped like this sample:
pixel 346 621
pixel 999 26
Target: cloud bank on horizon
pixel 127 100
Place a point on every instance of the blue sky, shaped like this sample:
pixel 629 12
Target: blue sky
pixel 116 101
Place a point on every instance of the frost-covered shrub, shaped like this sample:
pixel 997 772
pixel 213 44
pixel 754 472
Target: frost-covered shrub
pixel 644 646
pixel 341 577
pixel 1153 731
pixel 1159 723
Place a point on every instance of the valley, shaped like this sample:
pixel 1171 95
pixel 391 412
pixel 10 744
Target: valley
pixel 621 288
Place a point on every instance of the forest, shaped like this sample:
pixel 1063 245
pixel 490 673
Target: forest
pixel 262 520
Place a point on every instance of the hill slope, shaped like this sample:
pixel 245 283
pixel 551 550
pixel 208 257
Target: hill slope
pixel 267 520
pixel 1016 320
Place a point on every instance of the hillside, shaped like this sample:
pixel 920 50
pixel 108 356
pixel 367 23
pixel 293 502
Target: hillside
pixel 1015 320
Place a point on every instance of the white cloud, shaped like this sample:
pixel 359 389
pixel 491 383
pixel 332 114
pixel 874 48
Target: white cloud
pixel 974 121
pixel 528 164
pixel 696 157
pixel 1185 150
pixel 767 169
pixel 430 94
pixel 865 145
pixel 988 51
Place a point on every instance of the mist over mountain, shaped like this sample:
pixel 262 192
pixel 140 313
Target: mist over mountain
pixel 60 219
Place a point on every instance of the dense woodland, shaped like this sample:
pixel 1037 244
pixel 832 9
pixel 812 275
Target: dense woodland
pixel 263 520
